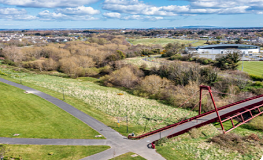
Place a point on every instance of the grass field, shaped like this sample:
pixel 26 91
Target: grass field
pixel 41 152
pixel 255 68
pixel 164 41
pixel 150 61
pixel 33 117
pixel 98 98
pixel 128 156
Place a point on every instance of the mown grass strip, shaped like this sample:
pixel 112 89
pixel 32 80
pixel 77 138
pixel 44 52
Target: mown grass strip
pixel 33 117
pixel 44 152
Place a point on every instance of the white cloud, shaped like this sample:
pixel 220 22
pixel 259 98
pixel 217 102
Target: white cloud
pixel 132 17
pixel 81 10
pixel 224 3
pixel 175 8
pixel 150 18
pixel 15 14
pixel 11 11
pixel 23 17
pixel 49 16
pixel 116 15
pixel 112 15
pixel 134 7
pixel 47 3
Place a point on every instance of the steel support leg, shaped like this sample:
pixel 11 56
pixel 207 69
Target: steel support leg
pixel 220 121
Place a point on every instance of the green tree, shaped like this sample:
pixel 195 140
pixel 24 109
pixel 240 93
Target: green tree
pixel 120 54
pixel 230 61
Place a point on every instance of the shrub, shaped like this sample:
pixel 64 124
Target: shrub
pixel 257 91
pixel 231 141
pixel 154 85
pixel 106 69
pixel 195 133
pixel 161 141
pixel 203 61
pixel 123 77
pixel 176 57
pixel 255 77
pixel 91 71
pixel 9 62
pixel 178 94
pixel 258 84
pixel 2 73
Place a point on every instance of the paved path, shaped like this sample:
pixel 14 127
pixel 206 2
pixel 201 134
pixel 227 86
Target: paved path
pixel 119 144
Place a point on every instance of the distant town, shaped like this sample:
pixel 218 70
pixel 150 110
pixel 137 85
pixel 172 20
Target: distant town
pixel 213 36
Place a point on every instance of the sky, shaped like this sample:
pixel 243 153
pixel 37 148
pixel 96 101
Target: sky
pixel 40 14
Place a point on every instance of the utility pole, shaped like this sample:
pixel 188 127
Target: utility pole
pixel 20 78
pixel 127 123
pixel 63 94
pixel 242 61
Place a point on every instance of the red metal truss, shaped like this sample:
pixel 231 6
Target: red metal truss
pixel 257 108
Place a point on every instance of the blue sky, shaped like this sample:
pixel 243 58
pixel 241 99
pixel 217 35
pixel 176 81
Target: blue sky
pixel 33 14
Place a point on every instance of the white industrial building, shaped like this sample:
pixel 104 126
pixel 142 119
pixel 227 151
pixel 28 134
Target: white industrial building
pixel 211 51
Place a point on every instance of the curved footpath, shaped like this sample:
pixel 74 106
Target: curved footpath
pixel 119 144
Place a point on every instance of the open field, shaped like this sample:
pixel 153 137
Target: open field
pixel 33 117
pixel 164 41
pixel 107 100
pixel 252 67
pixel 41 152
pixel 152 61
pixel 128 156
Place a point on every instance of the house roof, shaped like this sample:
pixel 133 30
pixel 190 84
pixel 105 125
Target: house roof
pixel 226 46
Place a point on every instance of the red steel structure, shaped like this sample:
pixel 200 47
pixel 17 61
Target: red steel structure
pixel 250 106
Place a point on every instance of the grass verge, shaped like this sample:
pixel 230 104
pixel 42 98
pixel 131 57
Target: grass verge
pixel 33 117
pixel 43 152
pixel 128 156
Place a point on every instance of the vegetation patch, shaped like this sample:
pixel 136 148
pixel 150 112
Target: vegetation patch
pixel 142 113
pixel 212 145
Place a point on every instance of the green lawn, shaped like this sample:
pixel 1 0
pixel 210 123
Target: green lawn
pixel 33 117
pixel 164 41
pixel 42 152
pixel 251 67
pixel 128 156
